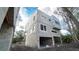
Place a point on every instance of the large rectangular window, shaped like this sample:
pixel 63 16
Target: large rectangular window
pixel 43 27
pixel 45 41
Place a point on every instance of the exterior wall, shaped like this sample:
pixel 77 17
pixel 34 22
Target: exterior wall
pixel 32 39
pixel 16 10
pixel 6 33
pixel 5 38
pixel 31 28
pixel 3 11
pixel 49 24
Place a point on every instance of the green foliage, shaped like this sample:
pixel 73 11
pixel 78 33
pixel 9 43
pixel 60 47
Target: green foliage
pixel 77 34
pixel 18 37
pixel 16 40
pixel 67 38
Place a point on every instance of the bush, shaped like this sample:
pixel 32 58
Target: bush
pixel 14 40
pixel 19 37
pixel 67 39
pixel 77 34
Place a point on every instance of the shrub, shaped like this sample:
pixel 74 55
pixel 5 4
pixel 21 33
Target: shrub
pixel 67 39
pixel 19 37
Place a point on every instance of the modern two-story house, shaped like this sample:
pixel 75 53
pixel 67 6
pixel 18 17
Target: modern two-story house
pixel 42 30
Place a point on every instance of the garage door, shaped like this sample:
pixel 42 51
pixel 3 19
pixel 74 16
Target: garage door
pixel 44 41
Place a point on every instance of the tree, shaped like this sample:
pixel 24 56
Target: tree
pixel 72 22
pixel 18 37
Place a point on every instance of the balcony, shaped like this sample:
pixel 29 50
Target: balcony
pixel 56 27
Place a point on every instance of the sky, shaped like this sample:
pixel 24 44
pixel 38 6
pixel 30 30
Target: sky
pixel 26 12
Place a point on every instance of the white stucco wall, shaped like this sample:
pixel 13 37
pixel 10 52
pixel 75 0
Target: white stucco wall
pixel 31 37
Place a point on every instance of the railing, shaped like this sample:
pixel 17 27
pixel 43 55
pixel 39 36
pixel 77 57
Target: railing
pixel 56 26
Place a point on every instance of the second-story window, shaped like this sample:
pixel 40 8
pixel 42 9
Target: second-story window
pixel 54 31
pixel 43 27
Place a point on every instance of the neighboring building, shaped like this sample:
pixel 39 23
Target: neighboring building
pixel 7 24
pixel 42 30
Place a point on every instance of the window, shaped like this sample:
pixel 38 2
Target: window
pixel 49 19
pixel 54 31
pixel 43 27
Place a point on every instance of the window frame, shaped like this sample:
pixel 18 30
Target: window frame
pixel 43 27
